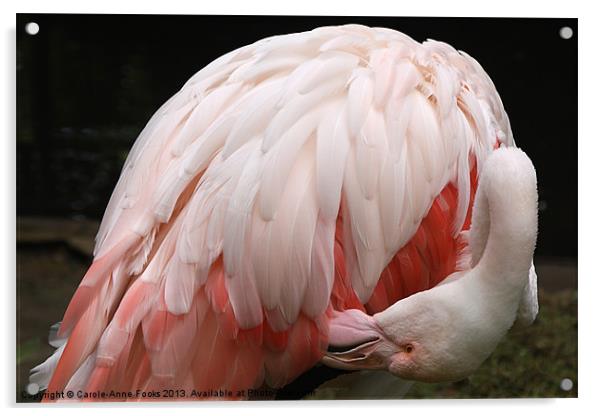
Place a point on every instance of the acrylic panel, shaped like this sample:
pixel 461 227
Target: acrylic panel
pixel 295 207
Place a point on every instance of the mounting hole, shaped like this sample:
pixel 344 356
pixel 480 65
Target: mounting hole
pixel 566 384
pixel 32 389
pixel 32 28
pixel 566 32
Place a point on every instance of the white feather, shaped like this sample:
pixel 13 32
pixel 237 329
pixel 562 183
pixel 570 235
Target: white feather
pixel 332 64
pixel 348 42
pixel 290 89
pixel 204 114
pixel 259 69
pixel 392 194
pixel 331 156
pixel 359 99
pixel 42 373
pixel 444 88
pixel 206 147
pixel 370 148
pixel 296 108
pixel 426 144
pixel 180 286
pixel 407 77
pixel 255 114
pixel 476 113
pixel 279 162
pixel 303 212
pixel 156 143
pixel 244 297
pixel 384 73
pixel 240 280
pixel 397 117
pixel 368 239
pixel 321 277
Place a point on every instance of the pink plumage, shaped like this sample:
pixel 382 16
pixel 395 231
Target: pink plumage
pixel 289 179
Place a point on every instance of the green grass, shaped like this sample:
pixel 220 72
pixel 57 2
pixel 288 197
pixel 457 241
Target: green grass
pixel 26 350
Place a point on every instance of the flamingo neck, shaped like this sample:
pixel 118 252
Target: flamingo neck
pixel 453 327
pixel 505 222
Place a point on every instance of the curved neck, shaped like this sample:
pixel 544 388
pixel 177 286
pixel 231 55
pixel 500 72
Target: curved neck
pixel 505 218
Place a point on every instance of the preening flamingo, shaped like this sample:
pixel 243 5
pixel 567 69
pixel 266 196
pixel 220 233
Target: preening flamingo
pixel 346 186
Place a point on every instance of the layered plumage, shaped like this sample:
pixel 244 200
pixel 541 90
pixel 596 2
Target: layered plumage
pixel 445 333
pixel 298 176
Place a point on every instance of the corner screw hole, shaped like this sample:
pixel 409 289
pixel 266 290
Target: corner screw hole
pixel 32 28
pixel 566 32
pixel 566 384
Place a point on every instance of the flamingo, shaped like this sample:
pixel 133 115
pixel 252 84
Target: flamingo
pixel 345 196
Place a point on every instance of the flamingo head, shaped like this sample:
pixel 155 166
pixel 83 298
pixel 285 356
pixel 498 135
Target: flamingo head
pixel 446 332
pixel 426 337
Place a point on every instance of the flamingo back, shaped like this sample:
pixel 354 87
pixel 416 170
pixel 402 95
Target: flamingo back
pixel 304 173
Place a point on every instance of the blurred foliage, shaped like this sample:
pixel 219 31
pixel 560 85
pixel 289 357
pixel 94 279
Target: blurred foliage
pixel 47 277
pixel 26 350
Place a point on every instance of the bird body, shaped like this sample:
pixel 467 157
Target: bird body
pixel 445 333
pixel 287 182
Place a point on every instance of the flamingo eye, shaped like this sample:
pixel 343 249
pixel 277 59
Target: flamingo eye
pixel 408 348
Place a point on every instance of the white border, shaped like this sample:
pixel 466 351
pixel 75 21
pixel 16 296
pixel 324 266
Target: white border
pixel 590 139
pixel 508 8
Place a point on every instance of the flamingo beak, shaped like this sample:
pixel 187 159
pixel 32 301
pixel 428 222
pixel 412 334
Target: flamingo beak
pixel 371 355
pixel 356 342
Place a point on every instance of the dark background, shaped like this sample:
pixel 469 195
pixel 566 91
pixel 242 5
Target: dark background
pixel 87 85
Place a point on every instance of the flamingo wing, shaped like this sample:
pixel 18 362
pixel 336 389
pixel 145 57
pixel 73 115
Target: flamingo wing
pixel 305 173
